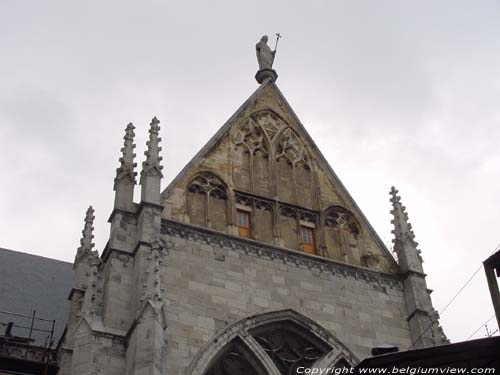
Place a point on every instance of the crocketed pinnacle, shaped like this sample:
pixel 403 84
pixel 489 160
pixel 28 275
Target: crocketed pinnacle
pixel 402 227
pixel 125 172
pixel 151 166
pixel 86 243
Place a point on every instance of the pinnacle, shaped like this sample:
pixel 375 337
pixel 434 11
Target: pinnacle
pixel 86 243
pixel 127 165
pixel 402 227
pixel 151 166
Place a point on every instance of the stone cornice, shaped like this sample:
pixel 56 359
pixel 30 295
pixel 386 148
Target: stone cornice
pixel 280 254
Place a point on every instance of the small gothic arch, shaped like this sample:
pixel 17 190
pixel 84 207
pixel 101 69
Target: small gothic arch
pixel 280 342
pixel 252 150
pixel 342 235
pixel 293 169
pixel 341 218
pixel 270 122
pixel 207 201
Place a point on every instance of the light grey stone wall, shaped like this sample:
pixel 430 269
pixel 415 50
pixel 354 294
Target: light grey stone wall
pixel 213 280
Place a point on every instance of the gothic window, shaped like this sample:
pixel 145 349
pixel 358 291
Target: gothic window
pixel 308 242
pixel 269 122
pixel 277 342
pixel 342 235
pixel 235 359
pixel 339 217
pixel 207 201
pixel 289 346
pixel 252 160
pixel 243 221
pixel 294 170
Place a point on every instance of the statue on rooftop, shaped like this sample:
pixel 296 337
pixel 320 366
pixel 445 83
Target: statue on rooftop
pixel 265 56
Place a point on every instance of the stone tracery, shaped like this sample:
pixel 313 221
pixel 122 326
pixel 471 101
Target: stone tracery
pixel 250 135
pixel 292 148
pixel 269 122
pixel 209 184
pixel 341 218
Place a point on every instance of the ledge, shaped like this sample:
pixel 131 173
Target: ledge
pixel 275 253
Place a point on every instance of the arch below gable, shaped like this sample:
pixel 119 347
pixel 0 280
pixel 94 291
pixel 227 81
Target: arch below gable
pixel 242 329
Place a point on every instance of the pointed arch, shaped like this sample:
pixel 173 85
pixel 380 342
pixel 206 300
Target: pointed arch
pixel 342 234
pixel 252 148
pixel 280 341
pixel 207 200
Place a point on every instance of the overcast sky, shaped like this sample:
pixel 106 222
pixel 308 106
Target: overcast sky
pixel 393 92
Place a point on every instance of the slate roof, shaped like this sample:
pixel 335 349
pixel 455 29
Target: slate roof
pixel 29 282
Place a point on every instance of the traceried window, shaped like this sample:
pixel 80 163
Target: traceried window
pixel 236 359
pixel 244 224
pixel 308 242
pixel 276 342
pixel 207 201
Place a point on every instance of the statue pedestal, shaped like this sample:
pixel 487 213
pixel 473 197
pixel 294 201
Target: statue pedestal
pixel 264 74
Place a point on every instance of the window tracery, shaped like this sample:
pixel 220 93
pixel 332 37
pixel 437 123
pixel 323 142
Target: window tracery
pixel 269 122
pixel 250 136
pixel 235 360
pixel 339 217
pixel 276 342
pixel 208 183
pixel 288 350
pixel 292 149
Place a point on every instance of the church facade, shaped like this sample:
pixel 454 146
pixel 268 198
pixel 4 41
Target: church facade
pixel 254 260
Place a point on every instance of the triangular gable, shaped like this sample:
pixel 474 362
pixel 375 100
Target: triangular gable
pixel 280 101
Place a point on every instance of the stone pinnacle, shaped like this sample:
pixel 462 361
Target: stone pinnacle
pixel 151 166
pixel 125 172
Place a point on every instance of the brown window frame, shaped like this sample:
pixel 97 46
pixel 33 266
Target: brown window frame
pixel 312 244
pixel 244 231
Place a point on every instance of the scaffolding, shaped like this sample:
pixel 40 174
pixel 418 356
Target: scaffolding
pixel 26 343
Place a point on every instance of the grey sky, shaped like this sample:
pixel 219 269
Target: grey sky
pixel 394 93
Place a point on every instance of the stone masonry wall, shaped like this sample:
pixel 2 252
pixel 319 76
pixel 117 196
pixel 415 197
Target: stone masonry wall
pixel 214 279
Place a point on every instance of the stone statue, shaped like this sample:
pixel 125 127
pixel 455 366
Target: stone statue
pixel 265 56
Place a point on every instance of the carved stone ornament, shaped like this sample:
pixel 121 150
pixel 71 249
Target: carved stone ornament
pixel 339 217
pixel 291 148
pixel 250 136
pixel 208 183
pixel 274 253
pixel 269 122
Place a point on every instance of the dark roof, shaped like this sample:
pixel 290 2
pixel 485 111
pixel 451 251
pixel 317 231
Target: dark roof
pixel 480 353
pixel 29 282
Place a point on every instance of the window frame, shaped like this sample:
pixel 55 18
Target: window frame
pixel 241 228
pixel 312 244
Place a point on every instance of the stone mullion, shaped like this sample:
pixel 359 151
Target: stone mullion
pixel 252 178
pixel 253 220
pixel 299 230
pixel 260 353
pixel 207 206
pixel 294 185
pixel 274 193
pixel 230 193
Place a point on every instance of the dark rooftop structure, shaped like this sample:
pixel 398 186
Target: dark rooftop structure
pixel 27 283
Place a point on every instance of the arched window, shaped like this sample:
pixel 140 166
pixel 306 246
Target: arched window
pixel 294 170
pixel 207 201
pixel 342 234
pixel 277 343
pixel 252 158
